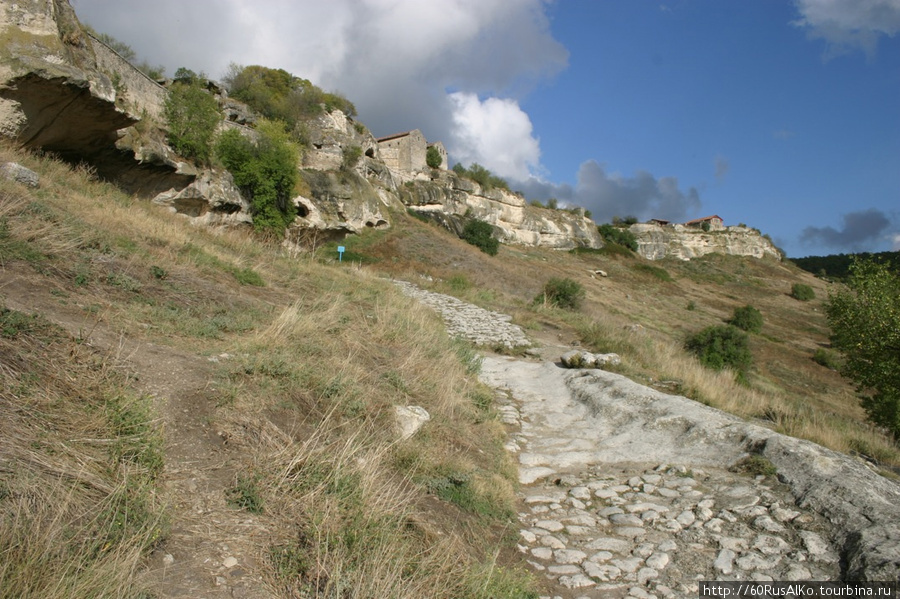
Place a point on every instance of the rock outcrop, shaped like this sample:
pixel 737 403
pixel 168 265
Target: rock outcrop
pixel 450 199
pixel 678 241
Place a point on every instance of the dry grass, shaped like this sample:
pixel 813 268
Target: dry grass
pixel 78 460
pixel 787 390
pixel 319 356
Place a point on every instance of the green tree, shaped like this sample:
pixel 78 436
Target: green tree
pixel 865 327
pixel 192 115
pixel 433 157
pixel 265 172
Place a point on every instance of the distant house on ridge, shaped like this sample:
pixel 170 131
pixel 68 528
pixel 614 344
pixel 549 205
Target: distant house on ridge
pixel 715 223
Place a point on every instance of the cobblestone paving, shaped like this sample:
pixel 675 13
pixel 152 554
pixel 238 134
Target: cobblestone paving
pixel 655 530
pixel 463 319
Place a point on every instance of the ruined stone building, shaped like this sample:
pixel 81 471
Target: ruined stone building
pixel 405 152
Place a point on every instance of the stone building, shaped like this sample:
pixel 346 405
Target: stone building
pixel 405 152
pixel 715 223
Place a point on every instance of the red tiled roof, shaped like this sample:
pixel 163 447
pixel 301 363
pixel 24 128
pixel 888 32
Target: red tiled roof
pixel 697 221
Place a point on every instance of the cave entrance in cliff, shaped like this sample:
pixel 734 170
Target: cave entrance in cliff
pixel 370 152
pixel 302 210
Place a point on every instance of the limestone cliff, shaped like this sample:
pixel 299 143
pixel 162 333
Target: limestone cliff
pixel 450 199
pixel 678 241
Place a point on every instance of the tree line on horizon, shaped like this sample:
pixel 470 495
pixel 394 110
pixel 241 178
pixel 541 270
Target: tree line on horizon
pixel 837 266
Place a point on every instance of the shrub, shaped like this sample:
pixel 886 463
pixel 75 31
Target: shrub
pixel 351 157
pixel 656 271
pixel 480 175
pixel 192 115
pixel 720 347
pixel 825 358
pixel 802 292
pixel 265 172
pixel 481 235
pixel 617 235
pixel 562 293
pixel 433 157
pixel 747 319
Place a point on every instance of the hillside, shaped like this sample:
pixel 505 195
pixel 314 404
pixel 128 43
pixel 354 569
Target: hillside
pixel 212 378
pixel 195 406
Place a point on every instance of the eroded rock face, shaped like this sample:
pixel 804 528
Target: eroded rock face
pixel 677 241
pixel 52 95
pixel 212 199
pixel 448 198
pixel 338 203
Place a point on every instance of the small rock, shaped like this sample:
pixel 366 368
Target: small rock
pixel 229 562
pixel 725 562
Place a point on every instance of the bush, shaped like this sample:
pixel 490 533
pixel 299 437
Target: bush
pixel 192 115
pixel 480 175
pixel 265 172
pixel 351 157
pixel 747 319
pixel 481 235
pixel 656 271
pixel 828 359
pixel 277 94
pixel 617 235
pixel 720 347
pixel 802 292
pixel 562 293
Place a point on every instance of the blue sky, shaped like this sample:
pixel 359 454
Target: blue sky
pixel 784 115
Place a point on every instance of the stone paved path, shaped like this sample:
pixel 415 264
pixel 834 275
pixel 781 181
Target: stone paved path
pixel 610 510
pixel 478 325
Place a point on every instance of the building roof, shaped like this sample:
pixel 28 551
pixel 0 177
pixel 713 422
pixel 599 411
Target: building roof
pixel 395 136
pixel 698 221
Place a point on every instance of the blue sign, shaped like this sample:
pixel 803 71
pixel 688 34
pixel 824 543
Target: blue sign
pixel 341 250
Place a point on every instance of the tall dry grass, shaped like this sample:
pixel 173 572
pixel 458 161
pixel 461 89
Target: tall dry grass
pixel 78 509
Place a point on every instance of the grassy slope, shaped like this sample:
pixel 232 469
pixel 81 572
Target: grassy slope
pixel 316 355
pixel 669 299
pixel 308 360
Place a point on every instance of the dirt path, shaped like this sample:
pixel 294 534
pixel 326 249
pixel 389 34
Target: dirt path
pixel 212 549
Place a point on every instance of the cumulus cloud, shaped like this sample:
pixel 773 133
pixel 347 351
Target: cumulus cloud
pixel 849 24
pixel 405 64
pixel 860 230
pixel 496 131
pixel 611 194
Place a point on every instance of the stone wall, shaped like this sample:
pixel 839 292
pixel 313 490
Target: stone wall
pixel 404 153
pixel 140 91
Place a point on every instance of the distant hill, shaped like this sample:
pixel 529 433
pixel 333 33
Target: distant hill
pixel 837 266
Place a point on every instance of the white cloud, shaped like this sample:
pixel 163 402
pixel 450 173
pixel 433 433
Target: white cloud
pixel 849 24
pixel 495 133
pixel 895 242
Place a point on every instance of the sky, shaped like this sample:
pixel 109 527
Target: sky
pixel 783 115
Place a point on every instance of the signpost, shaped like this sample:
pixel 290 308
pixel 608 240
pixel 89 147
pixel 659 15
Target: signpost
pixel 341 253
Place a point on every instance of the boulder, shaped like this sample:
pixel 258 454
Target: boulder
pixel 409 419
pixel 18 173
